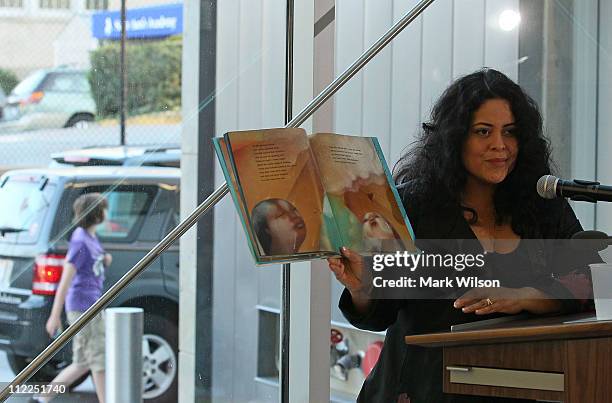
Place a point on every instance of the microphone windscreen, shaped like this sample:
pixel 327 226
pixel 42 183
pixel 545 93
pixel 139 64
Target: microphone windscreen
pixel 590 240
pixel 546 186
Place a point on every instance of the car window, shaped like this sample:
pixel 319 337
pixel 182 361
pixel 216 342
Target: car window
pixel 25 203
pixel 125 209
pixel 29 84
pixel 66 82
pixel 160 213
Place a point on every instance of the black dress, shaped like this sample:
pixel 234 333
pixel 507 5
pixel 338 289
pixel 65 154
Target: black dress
pixel 416 372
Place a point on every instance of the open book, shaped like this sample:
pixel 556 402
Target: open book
pixel 302 197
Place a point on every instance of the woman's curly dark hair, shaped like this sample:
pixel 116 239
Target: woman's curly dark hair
pixel 435 160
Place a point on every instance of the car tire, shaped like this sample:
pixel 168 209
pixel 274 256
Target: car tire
pixel 160 360
pixel 46 374
pixel 80 121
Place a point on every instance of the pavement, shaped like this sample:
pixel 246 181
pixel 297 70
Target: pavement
pixel 33 148
pixel 84 393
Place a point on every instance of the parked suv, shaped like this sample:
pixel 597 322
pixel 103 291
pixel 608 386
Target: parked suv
pixel 50 98
pixel 35 226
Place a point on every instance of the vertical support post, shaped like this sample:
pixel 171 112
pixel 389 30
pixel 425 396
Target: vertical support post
pixel 310 294
pixel 123 78
pixel 124 366
pixel 195 374
pixel 286 271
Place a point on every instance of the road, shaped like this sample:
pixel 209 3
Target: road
pixel 85 393
pixel 33 148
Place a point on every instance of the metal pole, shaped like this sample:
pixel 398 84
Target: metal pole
pixel 286 270
pixel 210 201
pixel 124 365
pixel 123 77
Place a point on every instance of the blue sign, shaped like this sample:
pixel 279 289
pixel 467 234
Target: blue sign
pixel 147 22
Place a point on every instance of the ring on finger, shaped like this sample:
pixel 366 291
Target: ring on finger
pixel 489 301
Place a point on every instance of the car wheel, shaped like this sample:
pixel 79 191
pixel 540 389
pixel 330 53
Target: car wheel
pixel 46 374
pixel 160 360
pixel 81 121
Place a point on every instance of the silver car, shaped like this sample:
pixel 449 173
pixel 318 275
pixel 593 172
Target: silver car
pixel 49 98
pixel 2 101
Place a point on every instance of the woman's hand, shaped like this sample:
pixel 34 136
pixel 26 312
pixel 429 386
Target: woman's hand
pixel 483 301
pixel 54 323
pixel 348 270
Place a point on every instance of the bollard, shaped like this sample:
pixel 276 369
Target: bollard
pixel 124 328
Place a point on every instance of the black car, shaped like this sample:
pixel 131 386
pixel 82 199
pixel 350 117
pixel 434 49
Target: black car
pixel 35 226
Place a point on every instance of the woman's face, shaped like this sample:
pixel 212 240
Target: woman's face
pixel 491 147
pixel 286 228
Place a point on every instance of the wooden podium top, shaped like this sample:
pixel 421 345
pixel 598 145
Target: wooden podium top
pixel 538 328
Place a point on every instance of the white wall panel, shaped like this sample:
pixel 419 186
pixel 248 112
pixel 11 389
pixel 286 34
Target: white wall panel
pixel 468 34
pixel 377 74
pixel 250 61
pixel 452 38
pixel 584 102
pixel 250 85
pixel 273 63
pixel 604 140
pixel 348 102
pixel 406 82
pixel 225 217
pixel 501 47
pixel 437 52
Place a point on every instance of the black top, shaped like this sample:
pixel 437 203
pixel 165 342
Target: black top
pixel 417 371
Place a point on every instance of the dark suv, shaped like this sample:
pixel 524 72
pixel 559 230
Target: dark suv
pixel 35 226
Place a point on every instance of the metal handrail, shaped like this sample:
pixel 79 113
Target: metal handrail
pixel 203 208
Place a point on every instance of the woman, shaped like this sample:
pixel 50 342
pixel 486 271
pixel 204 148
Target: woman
pixel 472 175
pixel 80 286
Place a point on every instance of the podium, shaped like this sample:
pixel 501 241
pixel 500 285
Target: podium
pixel 563 358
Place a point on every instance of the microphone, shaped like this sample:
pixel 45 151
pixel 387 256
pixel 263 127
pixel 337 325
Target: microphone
pixel 550 187
pixel 590 240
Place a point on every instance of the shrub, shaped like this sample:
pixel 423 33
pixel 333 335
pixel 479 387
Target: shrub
pixel 8 80
pixel 154 76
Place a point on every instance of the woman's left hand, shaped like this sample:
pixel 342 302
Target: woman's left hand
pixel 482 301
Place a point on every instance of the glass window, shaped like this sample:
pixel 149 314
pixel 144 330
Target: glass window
pixel 11 3
pixel 25 202
pixel 66 82
pixel 55 4
pixel 29 84
pixel 125 209
pixel 96 4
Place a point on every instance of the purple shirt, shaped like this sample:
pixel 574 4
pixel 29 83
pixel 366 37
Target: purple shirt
pixel 87 255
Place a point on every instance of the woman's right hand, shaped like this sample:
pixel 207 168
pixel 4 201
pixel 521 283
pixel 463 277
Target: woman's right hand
pixel 349 270
pixel 54 323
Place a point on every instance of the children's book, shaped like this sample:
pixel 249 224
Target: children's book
pixel 302 197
